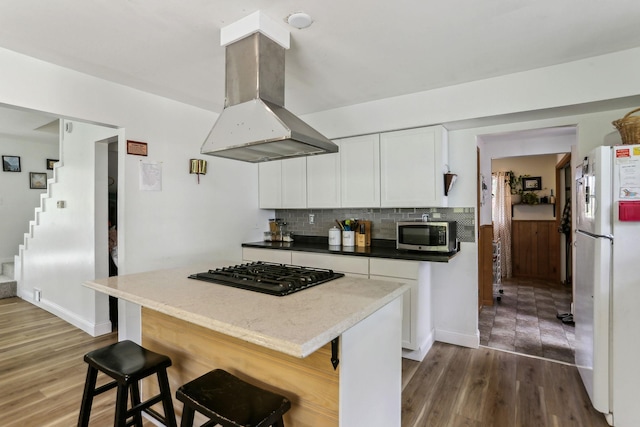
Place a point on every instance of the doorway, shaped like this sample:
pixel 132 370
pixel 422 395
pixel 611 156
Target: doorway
pixel 112 183
pixel 525 320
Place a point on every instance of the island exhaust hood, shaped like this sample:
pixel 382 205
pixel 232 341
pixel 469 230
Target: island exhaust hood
pixel 254 126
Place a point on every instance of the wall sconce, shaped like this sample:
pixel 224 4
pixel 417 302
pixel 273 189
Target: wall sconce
pixel 198 166
pixel 449 180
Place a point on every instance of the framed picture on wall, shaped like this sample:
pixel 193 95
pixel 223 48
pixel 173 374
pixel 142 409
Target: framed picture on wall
pixel 38 180
pixel 531 183
pixel 11 163
pixel 50 163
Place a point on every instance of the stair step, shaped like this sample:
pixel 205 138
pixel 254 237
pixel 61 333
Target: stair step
pixel 8 289
pixel 7 269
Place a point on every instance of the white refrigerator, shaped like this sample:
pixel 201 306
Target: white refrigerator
pixel 607 281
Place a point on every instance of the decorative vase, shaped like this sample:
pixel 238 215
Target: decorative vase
pixel 516 199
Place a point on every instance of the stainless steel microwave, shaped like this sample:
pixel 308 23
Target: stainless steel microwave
pixel 428 236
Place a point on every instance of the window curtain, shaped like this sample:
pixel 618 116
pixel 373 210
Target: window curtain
pixel 501 217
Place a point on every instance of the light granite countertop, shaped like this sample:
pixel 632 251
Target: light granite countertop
pixel 297 324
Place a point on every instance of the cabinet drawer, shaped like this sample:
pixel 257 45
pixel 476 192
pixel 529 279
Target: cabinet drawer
pixel 393 268
pixel 339 263
pixel 266 255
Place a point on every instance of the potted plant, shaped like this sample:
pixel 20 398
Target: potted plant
pixel 530 198
pixel 515 187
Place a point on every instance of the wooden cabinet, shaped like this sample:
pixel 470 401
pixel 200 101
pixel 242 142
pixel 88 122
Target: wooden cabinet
pixel 412 167
pixel 323 181
pixel 283 184
pixel 360 171
pixel 535 250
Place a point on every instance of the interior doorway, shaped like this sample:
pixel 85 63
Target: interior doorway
pixel 112 183
pixel 525 321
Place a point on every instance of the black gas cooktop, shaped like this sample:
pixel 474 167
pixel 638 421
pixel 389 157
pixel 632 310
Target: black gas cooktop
pixel 268 278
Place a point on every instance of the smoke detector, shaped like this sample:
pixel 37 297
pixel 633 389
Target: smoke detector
pixel 299 20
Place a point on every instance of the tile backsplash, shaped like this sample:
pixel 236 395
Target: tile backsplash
pixel 383 221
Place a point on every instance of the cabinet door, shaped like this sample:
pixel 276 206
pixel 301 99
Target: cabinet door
pixel 404 272
pixel 360 171
pixel 412 167
pixel 270 185
pixel 294 183
pixel 323 181
pixel 349 265
pixel 266 255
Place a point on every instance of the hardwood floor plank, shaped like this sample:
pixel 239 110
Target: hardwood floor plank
pixel 499 408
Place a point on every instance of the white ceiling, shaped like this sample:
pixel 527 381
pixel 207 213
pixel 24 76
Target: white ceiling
pixel 355 51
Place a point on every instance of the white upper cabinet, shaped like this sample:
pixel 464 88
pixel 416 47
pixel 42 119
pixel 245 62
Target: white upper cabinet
pixel 360 171
pixel 412 167
pixel 323 181
pixel 283 183
pixel 294 183
pixel 270 185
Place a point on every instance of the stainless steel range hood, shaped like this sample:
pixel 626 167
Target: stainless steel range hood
pixel 254 126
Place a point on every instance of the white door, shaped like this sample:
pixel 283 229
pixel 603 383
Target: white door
pixel 592 316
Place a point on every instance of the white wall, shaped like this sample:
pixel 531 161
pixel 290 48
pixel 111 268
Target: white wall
pixel 185 222
pixel 17 200
pixel 69 245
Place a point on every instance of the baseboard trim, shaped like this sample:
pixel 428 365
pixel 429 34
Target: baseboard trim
pixel 93 329
pixel 422 350
pixel 456 338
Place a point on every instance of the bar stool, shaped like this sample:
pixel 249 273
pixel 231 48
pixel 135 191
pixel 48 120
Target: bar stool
pixel 230 402
pixel 127 363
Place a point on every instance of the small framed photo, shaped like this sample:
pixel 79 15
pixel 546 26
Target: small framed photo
pixel 136 148
pixel 50 163
pixel 38 180
pixel 532 183
pixel 11 163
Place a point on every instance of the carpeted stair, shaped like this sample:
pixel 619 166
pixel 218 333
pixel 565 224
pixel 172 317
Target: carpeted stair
pixel 8 286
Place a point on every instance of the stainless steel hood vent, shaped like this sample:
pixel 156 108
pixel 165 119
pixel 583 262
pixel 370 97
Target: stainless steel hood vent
pixel 254 126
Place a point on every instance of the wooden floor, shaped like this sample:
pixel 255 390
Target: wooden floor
pixel 42 374
pixel 456 386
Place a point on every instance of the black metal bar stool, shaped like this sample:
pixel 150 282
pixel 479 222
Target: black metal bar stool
pixel 127 363
pixel 230 402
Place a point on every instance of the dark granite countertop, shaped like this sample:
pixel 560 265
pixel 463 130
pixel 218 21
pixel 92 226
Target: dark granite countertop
pixel 380 248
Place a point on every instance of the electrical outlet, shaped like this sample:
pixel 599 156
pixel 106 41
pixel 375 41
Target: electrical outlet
pixel 312 218
pixel 37 293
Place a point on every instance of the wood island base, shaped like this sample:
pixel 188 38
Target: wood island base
pixel 311 384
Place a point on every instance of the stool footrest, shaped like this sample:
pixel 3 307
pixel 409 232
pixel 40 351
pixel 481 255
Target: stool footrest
pixel 105 387
pixel 144 405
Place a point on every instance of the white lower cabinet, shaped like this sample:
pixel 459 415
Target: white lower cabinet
pixel 404 272
pixel 417 326
pixel 266 255
pixel 350 266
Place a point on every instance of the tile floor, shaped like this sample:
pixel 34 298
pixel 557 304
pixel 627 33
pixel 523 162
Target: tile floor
pixel 525 321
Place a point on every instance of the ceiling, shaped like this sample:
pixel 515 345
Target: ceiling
pixel 355 51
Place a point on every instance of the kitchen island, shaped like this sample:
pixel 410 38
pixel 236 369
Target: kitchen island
pixel 283 344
